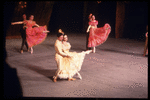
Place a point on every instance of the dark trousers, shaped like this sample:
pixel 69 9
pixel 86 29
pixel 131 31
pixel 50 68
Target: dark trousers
pixel 23 36
pixel 87 40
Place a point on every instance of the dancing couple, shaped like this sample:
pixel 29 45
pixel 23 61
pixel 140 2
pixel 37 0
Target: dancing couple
pixel 31 36
pixel 68 63
pixel 96 36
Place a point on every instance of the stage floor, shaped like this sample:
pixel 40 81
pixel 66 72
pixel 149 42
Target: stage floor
pixel 116 70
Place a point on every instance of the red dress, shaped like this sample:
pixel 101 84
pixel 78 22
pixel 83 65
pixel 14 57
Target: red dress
pixel 98 36
pixel 35 35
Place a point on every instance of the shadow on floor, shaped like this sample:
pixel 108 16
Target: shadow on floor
pixel 123 52
pixel 11 84
pixel 49 73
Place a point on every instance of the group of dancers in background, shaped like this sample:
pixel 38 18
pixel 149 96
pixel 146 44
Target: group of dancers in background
pixel 31 36
pixel 68 63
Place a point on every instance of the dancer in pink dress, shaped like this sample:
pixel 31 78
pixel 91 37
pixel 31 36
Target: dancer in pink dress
pixel 97 36
pixel 34 35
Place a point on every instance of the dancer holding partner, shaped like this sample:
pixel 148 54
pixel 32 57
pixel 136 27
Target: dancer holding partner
pixel 34 35
pixel 59 54
pixel 23 34
pixel 71 65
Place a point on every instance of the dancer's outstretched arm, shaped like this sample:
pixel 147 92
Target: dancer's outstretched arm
pixel 88 28
pixel 146 34
pixel 37 25
pixel 20 22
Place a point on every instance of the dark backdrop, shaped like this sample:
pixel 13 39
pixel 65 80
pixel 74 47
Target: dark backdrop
pixel 68 15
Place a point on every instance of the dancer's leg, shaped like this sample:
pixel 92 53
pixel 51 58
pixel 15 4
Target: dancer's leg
pixel 79 75
pixel 55 78
pixel 31 50
pixel 94 49
pixel 58 61
pixel 88 51
pixel 23 42
pixel 26 45
pixel 145 47
pixel 71 79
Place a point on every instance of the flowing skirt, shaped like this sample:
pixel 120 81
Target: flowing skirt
pixel 71 65
pixel 98 36
pixel 35 35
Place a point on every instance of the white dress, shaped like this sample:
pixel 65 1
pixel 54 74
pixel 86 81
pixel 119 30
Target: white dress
pixel 71 66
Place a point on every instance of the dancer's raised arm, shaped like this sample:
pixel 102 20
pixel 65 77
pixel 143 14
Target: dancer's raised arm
pixel 37 25
pixel 88 28
pixel 20 22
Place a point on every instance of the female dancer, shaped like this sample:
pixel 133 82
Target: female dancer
pixel 97 36
pixel 34 35
pixel 146 45
pixel 87 35
pixel 71 65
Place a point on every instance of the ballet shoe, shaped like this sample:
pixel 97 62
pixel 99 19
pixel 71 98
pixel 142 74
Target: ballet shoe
pixel 31 52
pixel 80 78
pixel 71 79
pixel 21 51
pixel 55 80
pixel 27 50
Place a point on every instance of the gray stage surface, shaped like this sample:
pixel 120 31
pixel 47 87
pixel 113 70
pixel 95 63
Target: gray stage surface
pixel 116 70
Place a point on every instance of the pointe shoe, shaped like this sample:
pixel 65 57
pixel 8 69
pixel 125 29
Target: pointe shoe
pixel 55 80
pixel 71 79
pixel 80 77
pixel 21 51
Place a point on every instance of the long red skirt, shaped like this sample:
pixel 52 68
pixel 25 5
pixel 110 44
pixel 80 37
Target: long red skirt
pixel 98 36
pixel 35 35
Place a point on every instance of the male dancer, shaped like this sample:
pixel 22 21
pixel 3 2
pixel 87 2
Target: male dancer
pixel 23 34
pixel 59 55
pixel 87 35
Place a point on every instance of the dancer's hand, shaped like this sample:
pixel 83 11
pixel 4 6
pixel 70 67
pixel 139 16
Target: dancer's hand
pixel 146 34
pixel 87 31
pixel 24 27
pixel 68 56
pixel 12 24
pixel 46 31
